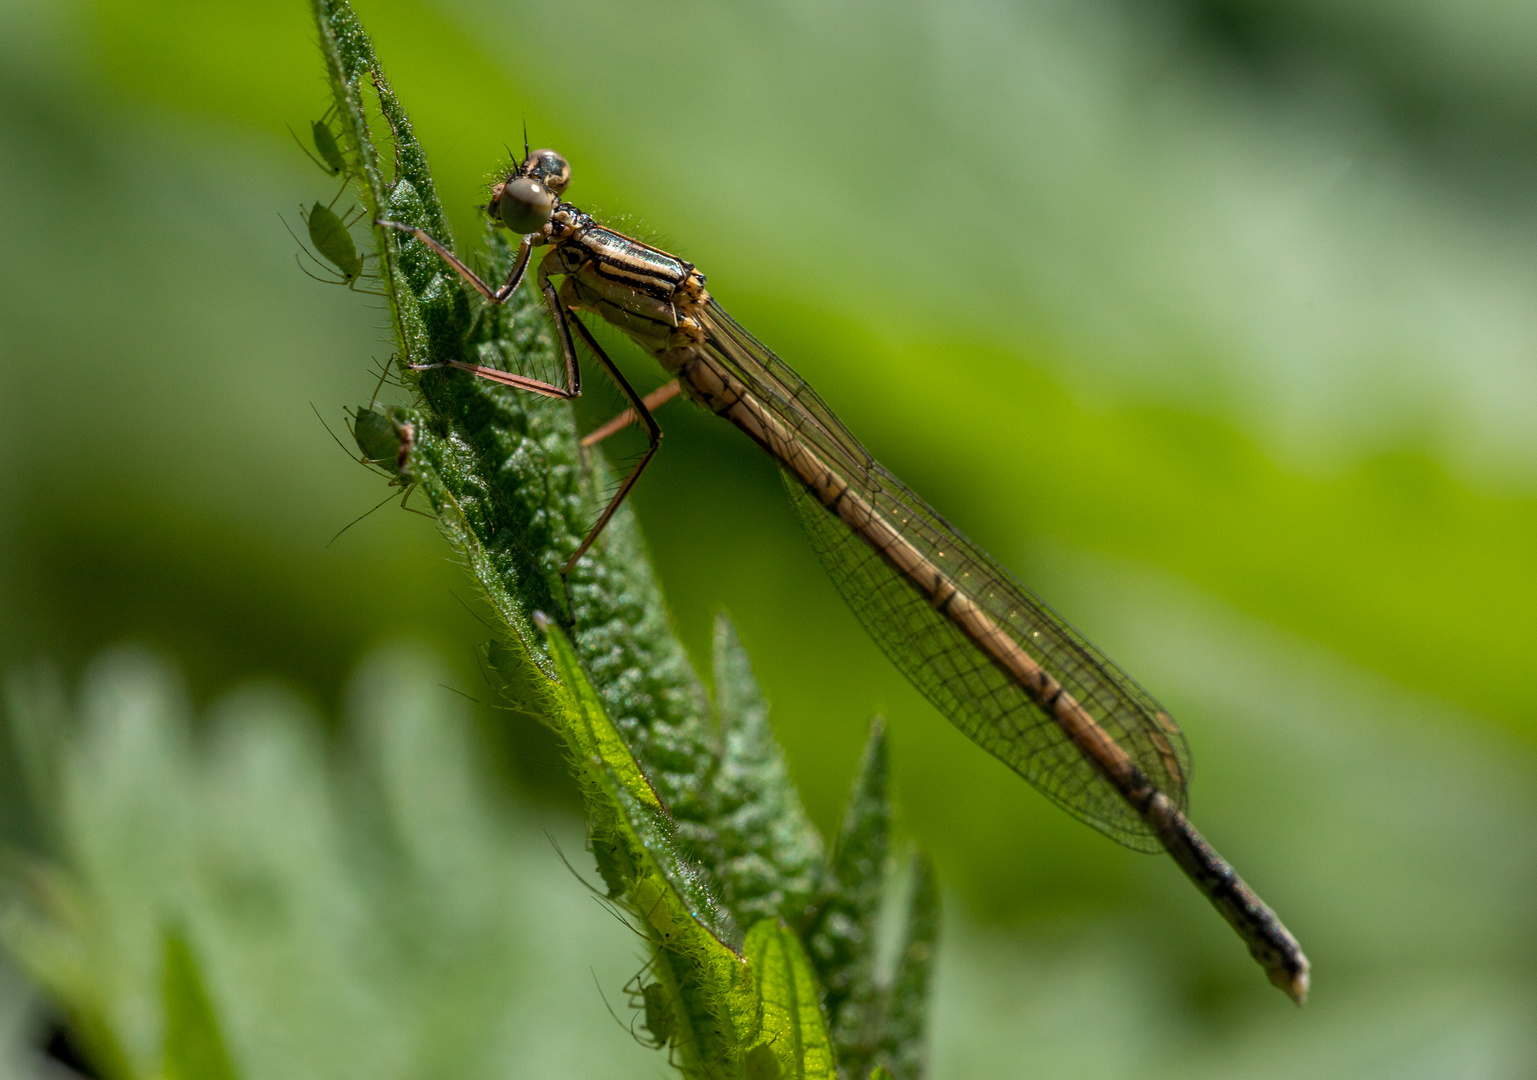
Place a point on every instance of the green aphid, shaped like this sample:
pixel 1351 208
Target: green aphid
pixel 385 439
pixel 651 901
pixel 762 1063
pixel 613 864
pixel 660 1022
pixel 333 239
pixel 331 160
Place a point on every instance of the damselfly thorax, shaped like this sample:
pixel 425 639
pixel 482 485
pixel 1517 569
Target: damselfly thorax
pixel 650 295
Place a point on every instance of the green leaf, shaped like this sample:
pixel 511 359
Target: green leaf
pixel 704 985
pixel 768 854
pixel 793 1035
pixel 681 813
pixel 39 719
pixel 44 925
pixel 513 495
pixel 194 1046
pixel 872 1023
pixel 843 937
pixel 902 1025
pixel 594 741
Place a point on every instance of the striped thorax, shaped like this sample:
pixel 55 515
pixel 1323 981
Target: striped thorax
pixel 644 291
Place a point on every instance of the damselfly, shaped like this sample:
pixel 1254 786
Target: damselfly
pixel 996 661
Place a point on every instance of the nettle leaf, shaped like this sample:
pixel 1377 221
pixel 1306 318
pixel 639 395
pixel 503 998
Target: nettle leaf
pixel 843 937
pixel 768 854
pixel 705 988
pixel 877 1017
pixel 792 1042
pixel 194 1043
pixel 902 1025
pixel 504 471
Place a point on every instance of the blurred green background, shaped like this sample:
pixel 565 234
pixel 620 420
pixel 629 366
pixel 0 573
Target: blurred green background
pixel 1215 320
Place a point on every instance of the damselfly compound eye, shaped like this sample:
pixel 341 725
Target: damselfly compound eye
pixel 524 205
pixel 549 168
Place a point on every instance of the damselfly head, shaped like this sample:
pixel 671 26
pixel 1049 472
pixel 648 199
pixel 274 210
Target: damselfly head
pixel 523 204
pixel 525 200
pixel 547 167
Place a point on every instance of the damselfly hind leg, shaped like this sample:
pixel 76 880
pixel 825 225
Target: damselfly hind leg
pixel 658 397
pixel 564 320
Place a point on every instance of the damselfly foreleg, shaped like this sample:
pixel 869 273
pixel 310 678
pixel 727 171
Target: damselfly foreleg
pixel 564 319
pixel 573 387
pixel 495 296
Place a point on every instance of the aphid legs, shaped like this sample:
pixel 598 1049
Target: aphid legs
pixel 631 1026
pixel 611 907
pixel 403 496
pixel 394 463
pixel 561 855
pixel 351 281
pixel 384 374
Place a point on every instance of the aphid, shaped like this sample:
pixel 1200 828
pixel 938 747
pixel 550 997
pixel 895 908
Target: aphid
pixel 332 237
pixel 762 1063
pixel 658 1016
pixel 650 901
pixel 386 439
pixel 659 1020
pixel 331 161
pixel 613 864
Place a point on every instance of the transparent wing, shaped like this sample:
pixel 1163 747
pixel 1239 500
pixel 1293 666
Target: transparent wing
pixel 962 680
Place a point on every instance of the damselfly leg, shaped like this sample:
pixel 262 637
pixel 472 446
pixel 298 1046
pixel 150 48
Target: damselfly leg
pixel 654 400
pixel 573 387
pixel 564 319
